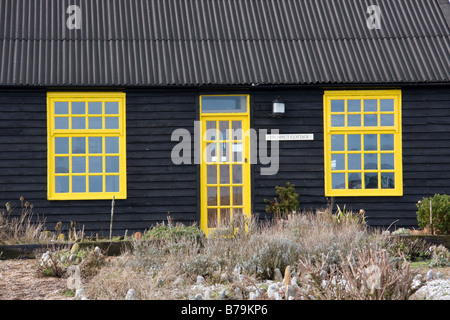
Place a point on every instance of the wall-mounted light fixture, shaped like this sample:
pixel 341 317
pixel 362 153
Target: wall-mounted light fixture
pixel 278 108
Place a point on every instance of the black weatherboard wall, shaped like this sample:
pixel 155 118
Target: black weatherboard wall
pixel 156 185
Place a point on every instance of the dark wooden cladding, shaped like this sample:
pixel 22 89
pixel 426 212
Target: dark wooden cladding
pixel 156 185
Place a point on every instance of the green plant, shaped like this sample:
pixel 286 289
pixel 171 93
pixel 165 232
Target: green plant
pixel 440 257
pixel 347 216
pixel 285 204
pixel 175 233
pixel 440 205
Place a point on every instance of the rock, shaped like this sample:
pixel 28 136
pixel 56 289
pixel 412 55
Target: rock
pixel 208 294
pixel 272 290
pixel 61 237
pixel 290 292
pixel 79 294
pixel 238 293
pixel 439 275
pixel 198 297
pixel 223 294
pixel 98 251
pixel 430 275
pixel 75 248
pixel 200 280
pixel 254 295
pixel 277 276
pixel 131 295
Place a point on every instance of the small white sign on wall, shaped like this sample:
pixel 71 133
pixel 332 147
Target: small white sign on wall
pixel 290 137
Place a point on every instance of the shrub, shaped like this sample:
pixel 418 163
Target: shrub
pixel 440 209
pixel 440 257
pixel 286 203
pixel 175 233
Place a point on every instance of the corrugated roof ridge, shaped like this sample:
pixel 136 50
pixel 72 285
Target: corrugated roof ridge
pixel 239 39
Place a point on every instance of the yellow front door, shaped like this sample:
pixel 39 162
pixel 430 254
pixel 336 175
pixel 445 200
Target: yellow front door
pixel 225 168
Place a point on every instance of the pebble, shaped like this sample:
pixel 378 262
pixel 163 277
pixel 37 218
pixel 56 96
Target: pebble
pixel 430 275
pixel 223 294
pixel 438 289
pixel 278 277
pixel 200 280
pixel 131 295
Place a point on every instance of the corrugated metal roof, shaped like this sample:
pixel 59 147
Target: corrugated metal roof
pixel 223 42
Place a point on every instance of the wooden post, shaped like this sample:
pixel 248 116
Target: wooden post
pixel 431 218
pixel 112 217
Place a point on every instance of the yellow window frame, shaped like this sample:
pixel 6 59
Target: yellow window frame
pixel 52 133
pixel 377 130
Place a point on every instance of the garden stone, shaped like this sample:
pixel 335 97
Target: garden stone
pixel 290 292
pixel 223 294
pixel 238 292
pixel 254 295
pixel 278 277
pixel 79 294
pixel 200 280
pixel 430 275
pixel 75 248
pixel 198 297
pixel 208 294
pixel 439 275
pixel 98 251
pixel 131 295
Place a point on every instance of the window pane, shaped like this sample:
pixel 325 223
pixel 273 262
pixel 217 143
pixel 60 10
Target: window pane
pixel 111 123
pixel 78 123
pixel 338 162
pixel 371 180
pixel 354 120
pixel 370 120
pixel 112 183
pixel 370 105
pixel 237 173
pixel 337 142
pixel 78 108
pixel 95 123
pixel 79 145
pixel 337 105
pixel 225 217
pixel 212 218
pixel 338 180
pixel 111 108
pixel 387 142
pixel 95 184
pixel 211 152
pixel 387 120
pixel 211 173
pixel 62 165
pixel 95 108
pixel 224 104
pixel 371 161
pixel 61 145
pixel 224 174
pixel 354 180
pixel 354 142
pixel 112 164
pixel 212 196
pixel 237 130
pixel 95 145
pixel 224 196
pixel 370 142
pixel 387 161
pixel 386 105
pixel 62 123
pixel 354 106
pixel 338 120
pixel 62 184
pixel 61 108
pixel 237 196
pixel 354 161
pixel 211 132
pixel 78 184
pixel 112 144
pixel 387 180
pixel 79 164
pixel 95 164
pixel 224 127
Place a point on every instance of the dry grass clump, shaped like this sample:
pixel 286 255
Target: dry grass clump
pixel 23 228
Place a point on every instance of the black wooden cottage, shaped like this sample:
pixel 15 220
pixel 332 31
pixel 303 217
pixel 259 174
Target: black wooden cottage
pixel 132 99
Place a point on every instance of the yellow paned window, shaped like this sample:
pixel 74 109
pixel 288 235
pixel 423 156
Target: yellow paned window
pixel 86 145
pixel 363 143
